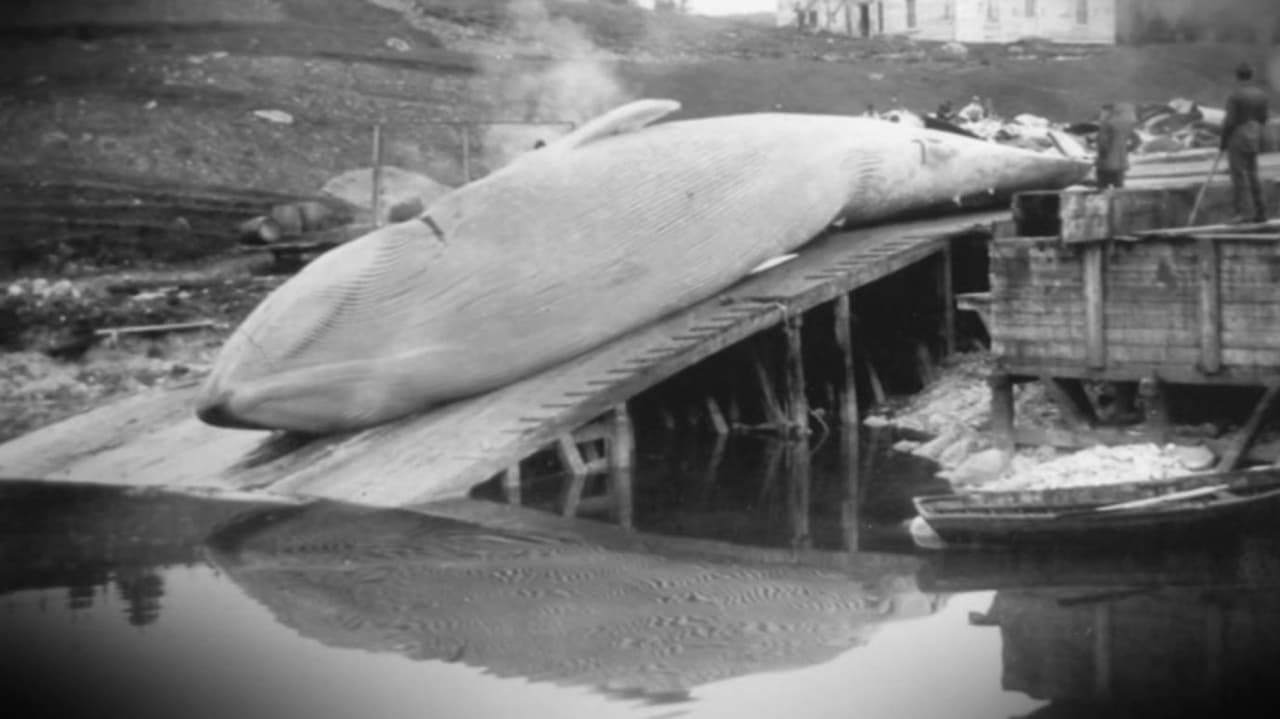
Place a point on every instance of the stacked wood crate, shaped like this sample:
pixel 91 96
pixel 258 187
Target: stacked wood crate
pixel 1115 286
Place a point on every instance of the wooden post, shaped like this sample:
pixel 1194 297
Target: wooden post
pixel 1210 307
pixel 797 399
pixel 946 291
pixel 376 180
pixel 622 451
pixel 712 472
pixel 1156 399
pixel 1095 305
pixel 846 385
pixel 798 490
pixel 850 508
pixel 1002 418
pixel 772 463
pixel 1102 671
pixel 511 484
pixel 717 417
pixel 924 363
pixel 572 460
pixel 1244 438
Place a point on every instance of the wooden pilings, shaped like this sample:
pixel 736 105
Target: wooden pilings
pixel 616 462
pixel 797 394
pixel 946 295
pixel 1002 410
pixel 846 385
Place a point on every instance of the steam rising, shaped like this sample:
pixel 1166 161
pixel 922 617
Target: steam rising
pixel 571 80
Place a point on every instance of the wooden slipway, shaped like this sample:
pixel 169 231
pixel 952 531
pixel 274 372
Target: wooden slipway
pixel 155 440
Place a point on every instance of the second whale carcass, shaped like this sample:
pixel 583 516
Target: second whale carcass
pixel 601 232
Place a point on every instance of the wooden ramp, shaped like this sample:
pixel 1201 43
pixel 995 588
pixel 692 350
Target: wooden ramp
pixel 155 440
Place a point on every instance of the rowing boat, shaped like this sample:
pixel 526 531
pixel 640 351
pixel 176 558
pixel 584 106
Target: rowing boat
pixel 1220 500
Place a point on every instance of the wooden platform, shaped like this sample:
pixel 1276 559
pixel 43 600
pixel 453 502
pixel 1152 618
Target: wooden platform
pixel 155 440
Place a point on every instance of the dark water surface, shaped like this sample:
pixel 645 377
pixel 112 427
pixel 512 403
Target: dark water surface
pixel 141 604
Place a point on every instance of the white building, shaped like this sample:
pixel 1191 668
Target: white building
pixel 995 21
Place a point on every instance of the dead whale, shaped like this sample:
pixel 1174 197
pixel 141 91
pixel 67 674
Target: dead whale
pixel 600 232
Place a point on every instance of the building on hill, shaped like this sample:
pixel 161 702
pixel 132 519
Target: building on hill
pixel 995 21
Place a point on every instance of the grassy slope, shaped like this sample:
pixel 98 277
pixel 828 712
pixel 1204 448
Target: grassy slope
pixel 80 91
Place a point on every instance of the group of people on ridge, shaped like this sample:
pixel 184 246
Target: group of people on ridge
pixel 1242 142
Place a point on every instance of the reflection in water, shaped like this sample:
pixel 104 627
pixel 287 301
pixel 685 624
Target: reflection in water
pixel 554 610
pixel 173 605
pixel 1195 633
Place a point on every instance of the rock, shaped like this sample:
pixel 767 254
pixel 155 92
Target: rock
pixel 397 44
pixel 934 447
pixel 876 421
pixel 957 452
pixel 277 116
pixel 905 445
pixel 54 137
pixel 954 50
pixel 985 466
pixel 405 210
pixel 1194 458
pixel 397 186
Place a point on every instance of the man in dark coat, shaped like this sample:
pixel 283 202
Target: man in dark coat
pixel 1246 114
pixel 1117 124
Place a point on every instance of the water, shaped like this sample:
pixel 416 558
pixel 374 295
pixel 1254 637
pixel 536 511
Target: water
pixel 143 604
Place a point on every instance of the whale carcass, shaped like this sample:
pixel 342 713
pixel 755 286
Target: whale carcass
pixel 603 231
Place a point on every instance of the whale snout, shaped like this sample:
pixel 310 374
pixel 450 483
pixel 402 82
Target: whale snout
pixel 217 408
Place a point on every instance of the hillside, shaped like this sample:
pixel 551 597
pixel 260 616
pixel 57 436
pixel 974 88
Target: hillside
pixel 168 88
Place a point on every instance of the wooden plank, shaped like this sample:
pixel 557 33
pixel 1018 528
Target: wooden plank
pixel 1244 438
pixel 1210 308
pixel 576 467
pixel 1095 299
pixel 718 422
pixel 1086 216
pixel 1134 371
pixel 768 398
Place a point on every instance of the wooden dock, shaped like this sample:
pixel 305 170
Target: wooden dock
pixel 1116 287
pixel 155 440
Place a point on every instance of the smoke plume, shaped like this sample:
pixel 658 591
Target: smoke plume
pixel 566 78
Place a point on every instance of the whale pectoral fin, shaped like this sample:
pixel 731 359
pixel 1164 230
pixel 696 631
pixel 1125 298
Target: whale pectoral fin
pixel 627 118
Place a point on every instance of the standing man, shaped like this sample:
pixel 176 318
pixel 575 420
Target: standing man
pixel 1242 141
pixel 1116 126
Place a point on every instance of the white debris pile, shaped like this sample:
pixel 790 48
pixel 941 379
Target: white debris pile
pixel 1100 465
pixel 961 399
